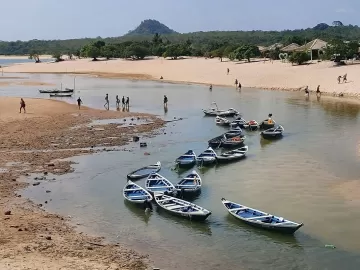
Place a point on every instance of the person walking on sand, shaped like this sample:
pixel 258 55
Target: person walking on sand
pixel 165 101
pixel 22 105
pixel 117 102
pixel 106 105
pixel 318 93
pixel 127 102
pixel 345 78
pixel 339 79
pixel 228 71
pixel 79 102
pixel 123 101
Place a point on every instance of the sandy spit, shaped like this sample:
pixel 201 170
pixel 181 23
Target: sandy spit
pixel 31 238
pixel 258 74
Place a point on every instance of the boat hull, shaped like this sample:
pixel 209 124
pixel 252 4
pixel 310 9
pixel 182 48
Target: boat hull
pixel 230 145
pixel 268 136
pixel 265 126
pixel 185 164
pixel 223 160
pixel 190 217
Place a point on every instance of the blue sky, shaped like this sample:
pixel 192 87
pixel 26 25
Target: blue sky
pixel 63 19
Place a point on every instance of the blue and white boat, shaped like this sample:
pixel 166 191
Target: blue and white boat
pixel 144 171
pixel 136 194
pixel 158 183
pixel 186 160
pixel 190 184
pixel 260 219
pixel 207 157
pixel 180 207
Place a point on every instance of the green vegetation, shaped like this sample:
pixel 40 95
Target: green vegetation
pixel 299 58
pixel 154 38
pixel 340 50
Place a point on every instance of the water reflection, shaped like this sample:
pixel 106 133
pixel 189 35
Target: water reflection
pixel 138 211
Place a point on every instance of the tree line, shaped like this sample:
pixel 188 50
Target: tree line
pixel 202 42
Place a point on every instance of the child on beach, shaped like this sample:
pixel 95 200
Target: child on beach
pixel 22 105
pixel 117 102
pixel 345 78
pixel 79 102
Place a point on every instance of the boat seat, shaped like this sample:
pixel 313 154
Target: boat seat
pixel 175 207
pixel 164 200
pixel 168 206
pixel 130 189
pixel 237 209
pixel 259 217
pixel 138 196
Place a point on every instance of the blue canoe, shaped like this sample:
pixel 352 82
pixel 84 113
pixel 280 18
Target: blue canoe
pixel 158 183
pixel 136 194
pixel 260 219
pixel 186 160
pixel 144 171
pixel 190 183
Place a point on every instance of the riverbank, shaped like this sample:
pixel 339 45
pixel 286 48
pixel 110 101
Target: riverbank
pixel 257 74
pixel 34 144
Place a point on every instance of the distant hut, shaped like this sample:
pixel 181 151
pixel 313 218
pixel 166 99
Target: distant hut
pixel 290 48
pixel 314 48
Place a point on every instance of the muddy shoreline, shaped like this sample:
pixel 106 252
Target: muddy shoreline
pixel 36 143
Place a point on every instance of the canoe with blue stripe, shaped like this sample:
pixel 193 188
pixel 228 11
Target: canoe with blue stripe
pixel 158 183
pixel 144 171
pixel 186 160
pixel 190 183
pixel 181 208
pixel 136 194
pixel 260 219
pixel 207 157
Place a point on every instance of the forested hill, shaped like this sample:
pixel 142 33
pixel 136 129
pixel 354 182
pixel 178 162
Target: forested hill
pixel 203 39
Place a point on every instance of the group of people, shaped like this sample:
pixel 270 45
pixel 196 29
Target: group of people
pixel 307 93
pixel 344 79
pixel 125 102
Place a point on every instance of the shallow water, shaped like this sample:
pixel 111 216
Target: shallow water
pixel 297 177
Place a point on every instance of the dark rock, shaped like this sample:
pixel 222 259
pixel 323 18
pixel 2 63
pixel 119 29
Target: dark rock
pixel 26 229
pixel 19 196
pixel 7 218
pixel 7 213
pixel 36 184
pixel 36 178
pixel 45 202
pixel 26 174
pixel 14 179
pixel 48 238
pixel 45 173
pixel 51 164
pixel 48 191
pixel 89 248
pixel 20 230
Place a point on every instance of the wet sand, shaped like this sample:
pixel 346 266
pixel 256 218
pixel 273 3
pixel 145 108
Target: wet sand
pixel 29 236
pixel 258 74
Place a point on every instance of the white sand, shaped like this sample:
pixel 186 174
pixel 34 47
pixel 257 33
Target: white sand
pixel 268 75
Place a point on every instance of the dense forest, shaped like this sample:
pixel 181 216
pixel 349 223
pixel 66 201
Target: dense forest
pixel 197 43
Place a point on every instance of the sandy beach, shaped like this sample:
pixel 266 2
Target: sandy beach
pixel 258 74
pixel 31 238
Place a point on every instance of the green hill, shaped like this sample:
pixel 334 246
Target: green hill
pixel 151 27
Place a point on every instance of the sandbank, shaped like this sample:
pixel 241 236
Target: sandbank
pixel 258 74
pixel 23 56
pixel 30 237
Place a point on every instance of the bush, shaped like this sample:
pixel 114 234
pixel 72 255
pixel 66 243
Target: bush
pixel 299 58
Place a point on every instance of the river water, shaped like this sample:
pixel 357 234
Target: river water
pixel 302 177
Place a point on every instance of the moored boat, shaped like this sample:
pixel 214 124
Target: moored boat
pixel 207 157
pixel 233 132
pixel 212 111
pixel 61 95
pixel 251 125
pixel 158 183
pixel 181 208
pixel 228 113
pixel 260 219
pixel 222 121
pixel 233 155
pixel 239 122
pixel 186 160
pixel 136 194
pixel 144 171
pixel 56 91
pixel 190 183
pixel 233 142
pixel 273 133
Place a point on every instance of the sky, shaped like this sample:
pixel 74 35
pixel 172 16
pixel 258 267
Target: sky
pixel 65 19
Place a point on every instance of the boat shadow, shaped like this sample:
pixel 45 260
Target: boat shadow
pixel 202 227
pixel 138 211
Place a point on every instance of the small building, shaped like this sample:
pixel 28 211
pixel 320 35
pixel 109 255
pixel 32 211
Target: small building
pixel 315 48
pixel 290 48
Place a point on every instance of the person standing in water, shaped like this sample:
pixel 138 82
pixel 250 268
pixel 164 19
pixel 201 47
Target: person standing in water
pixel 117 102
pixel 318 93
pixel 79 102
pixel 106 105
pixel 22 105
pixel 127 104
pixel 307 91
pixel 239 86
pixel 269 120
pixel 210 87
pixel 165 101
pixel 123 101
